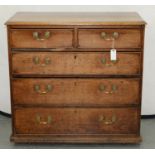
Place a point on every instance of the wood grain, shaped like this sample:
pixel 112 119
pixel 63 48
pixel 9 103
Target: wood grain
pixel 76 91
pixel 76 121
pixel 59 38
pixel 78 139
pixel 76 63
pixel 91 38
pixel 76 18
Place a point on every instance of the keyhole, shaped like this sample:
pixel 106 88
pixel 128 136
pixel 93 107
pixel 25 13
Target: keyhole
pixel 75 111
pixel 75 83
pixel 75 56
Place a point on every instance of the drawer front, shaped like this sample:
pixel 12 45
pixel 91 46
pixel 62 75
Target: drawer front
pixel 41 38
pixel 78 92
pixel 77 121
pixel 102 38
pixel 74 63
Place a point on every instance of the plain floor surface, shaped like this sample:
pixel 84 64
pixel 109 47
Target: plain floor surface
pixel 147 132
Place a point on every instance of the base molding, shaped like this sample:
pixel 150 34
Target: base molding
pixel 76 139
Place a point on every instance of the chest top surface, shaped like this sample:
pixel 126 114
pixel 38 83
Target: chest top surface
pixel 76 18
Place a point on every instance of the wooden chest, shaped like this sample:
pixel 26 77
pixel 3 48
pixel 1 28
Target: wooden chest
pixel 65 85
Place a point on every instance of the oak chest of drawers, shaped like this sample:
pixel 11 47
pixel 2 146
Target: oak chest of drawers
pixel 65 85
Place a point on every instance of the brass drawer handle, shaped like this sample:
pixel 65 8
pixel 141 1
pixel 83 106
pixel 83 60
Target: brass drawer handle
pixel 48 88
pixel 102 88
pixel 38 37
pixel 106 121
pixel 103 61
pixel 36 61
pixel 109 37
pixel 112 62
pixel 40 121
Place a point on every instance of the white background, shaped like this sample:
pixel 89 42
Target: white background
pixel 148 14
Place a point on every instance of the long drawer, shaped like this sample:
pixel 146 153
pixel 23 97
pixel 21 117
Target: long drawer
pixel 103 38
pixel 77 120
pixel 75 63
pixel 75 91
pixel 41 38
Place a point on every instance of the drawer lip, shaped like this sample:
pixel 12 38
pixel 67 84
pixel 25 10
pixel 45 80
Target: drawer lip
pixel 56 43
pixel 96 65
pixel 88 117
pixel 95 134
pixel 71 49
pixel 98 42
pixel 73 40
pixel 71 105
pixel 131 101
pixel 14 75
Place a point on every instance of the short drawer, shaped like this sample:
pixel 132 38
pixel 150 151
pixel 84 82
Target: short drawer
pixel 75 91
pixel 103 38
pixel 41 38
pixel 77 121
pixel 75 63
